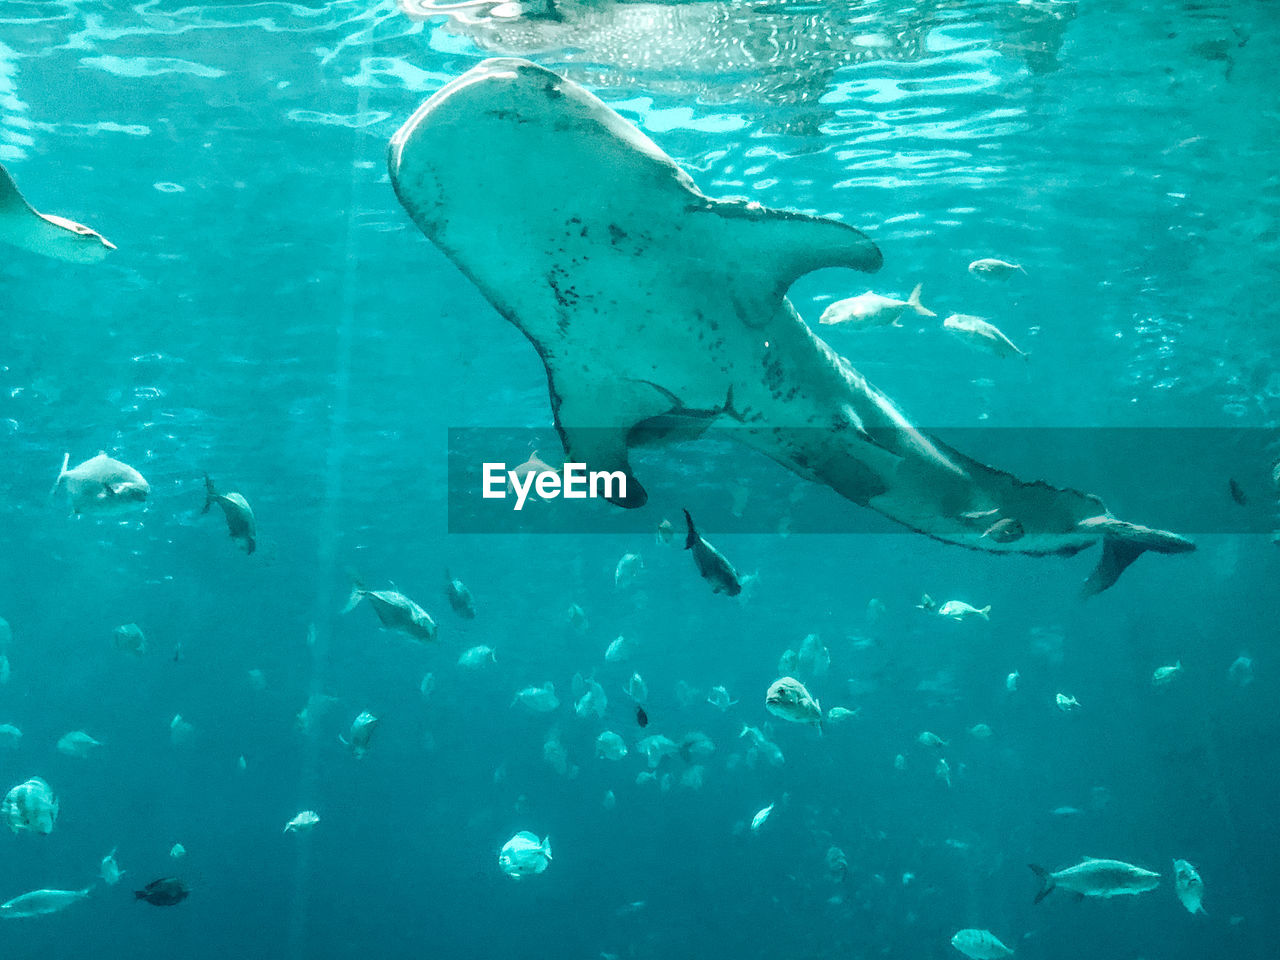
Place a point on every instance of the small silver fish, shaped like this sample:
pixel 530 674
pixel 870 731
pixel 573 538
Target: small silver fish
pixel 872 309
pixel 980 945
pixel 1097 878
pixel 40 902
pixel 1005 531
pixel 989 268
pixel 788 699
pixel 981 334
pixel 110 870
pixel 395 611
pixel 101 485
pixel 1188 885
pixel 361 731
pixel 524 855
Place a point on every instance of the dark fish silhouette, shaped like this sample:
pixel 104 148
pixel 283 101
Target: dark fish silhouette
pixel 1237 493
pixel 164 892
pixel 460 598
pixel 642 718
pixel 711 564
pixel 240 521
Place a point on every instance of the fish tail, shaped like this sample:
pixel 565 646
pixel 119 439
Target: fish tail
pixel 353 598
pixel 985 612
pixel 357 591
pixel 66 459
pixel 139 894
pixel 209 494
pixel 914 303
pixel 1046 881
pixel 692 536
pixel 546 847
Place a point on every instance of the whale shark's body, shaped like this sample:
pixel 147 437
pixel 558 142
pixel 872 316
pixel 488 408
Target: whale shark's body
pixel 658 310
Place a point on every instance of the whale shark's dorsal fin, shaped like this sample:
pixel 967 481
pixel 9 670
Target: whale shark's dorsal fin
pixel 768 249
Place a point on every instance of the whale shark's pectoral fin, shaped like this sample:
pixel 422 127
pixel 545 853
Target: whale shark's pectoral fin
pixel 596 421
pixel 1116 556
pixel 1123 543
pixel 776 248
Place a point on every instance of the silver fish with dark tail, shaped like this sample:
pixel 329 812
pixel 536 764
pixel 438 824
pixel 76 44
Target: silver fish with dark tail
pixel 1097 878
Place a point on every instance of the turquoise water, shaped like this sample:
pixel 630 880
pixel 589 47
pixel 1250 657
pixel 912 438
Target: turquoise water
pixel 272 317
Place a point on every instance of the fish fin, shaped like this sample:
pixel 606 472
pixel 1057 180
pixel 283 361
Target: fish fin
pixel 357 590
pixel 985 612
pixel 10 195
pixel 1078 897
pixel 66 459
pixel 1046 881
pixel 692 536
pixel 603 450
pixel 914 303
pixel 1117 554
pixel 787 246
pixel 209 494
pixel 597 421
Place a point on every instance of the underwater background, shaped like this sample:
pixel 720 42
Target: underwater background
pixel 273 318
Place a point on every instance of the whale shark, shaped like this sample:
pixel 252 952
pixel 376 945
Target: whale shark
pixel 658 311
